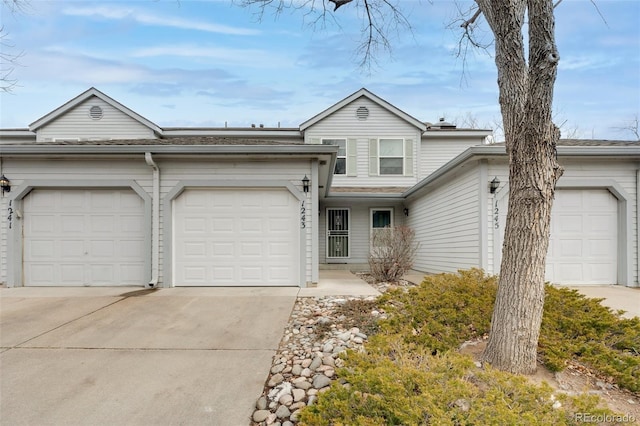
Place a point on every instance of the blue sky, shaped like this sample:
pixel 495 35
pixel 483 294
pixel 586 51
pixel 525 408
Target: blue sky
pixel 188 63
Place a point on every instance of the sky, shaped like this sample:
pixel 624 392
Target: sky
pixel 206 63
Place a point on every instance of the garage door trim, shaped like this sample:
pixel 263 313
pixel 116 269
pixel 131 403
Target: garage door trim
pixel 624 221
pixel 15 271
pixel 180 187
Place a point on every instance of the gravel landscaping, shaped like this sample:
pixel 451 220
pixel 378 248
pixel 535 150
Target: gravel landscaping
pixel 319 330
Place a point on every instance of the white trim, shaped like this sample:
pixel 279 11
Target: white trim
pixel 373 98
pixel 85 96
pixel 181 186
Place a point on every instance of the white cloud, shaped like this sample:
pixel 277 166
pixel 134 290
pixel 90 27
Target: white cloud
pixel 145 18
pixel 247 57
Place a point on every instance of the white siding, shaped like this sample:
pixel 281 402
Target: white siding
pixel 380 124
pixel 171 173
pixel 174 171
pixel 77 124
pixel 64 171
pixel 446 224
pixel 435 153
pixel 603 169
pixel 360 223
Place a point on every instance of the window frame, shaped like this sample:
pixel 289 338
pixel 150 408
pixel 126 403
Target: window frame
pixel 338 156
pixel 402 157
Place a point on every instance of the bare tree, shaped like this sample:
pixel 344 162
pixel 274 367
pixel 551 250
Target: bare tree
pixel 9 59
pixel 526 78
pixel 632 126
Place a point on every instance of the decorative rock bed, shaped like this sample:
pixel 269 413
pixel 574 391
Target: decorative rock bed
pixel 307 358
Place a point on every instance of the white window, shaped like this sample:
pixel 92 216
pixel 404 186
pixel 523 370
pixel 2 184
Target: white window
pixel 391 156
pixel 341 159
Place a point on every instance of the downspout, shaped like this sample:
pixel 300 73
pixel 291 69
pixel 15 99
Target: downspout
pixel 155 222
pixel 637 283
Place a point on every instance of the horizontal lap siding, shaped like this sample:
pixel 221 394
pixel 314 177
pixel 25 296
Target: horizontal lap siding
pixel 620 171
pixel 360 229
pixel 79 172
pixel 435 153
pixel 78 124
pixel 174 171
pixel 380 124
pixel 446 225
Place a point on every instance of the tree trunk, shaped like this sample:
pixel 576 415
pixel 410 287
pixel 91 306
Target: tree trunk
pixel 526 95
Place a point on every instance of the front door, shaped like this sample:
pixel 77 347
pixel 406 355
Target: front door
pixel 337 233
pixel 380 219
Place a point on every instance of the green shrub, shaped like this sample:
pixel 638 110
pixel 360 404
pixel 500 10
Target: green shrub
pixel 399 383
pixel 442 312
pixel 576 327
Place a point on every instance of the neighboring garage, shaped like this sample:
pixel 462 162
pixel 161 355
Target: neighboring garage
pixel 583 245
pixel 584 237
pixel 83 237
pixel 236 237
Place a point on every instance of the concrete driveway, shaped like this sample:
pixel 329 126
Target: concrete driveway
pixel 126 356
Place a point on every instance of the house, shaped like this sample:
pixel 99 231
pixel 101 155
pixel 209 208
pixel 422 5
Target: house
pixel 95 194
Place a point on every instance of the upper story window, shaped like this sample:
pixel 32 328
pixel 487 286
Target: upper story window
pixel 391 156
pixel 341 159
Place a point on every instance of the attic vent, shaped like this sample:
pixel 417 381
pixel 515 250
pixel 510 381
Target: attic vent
pixel 95 112
pixel 362 113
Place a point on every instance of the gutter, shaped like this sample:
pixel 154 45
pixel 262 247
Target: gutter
pixel 155 222
pixel 484 151
pixel 298 149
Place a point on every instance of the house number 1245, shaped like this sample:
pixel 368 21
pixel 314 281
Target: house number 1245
pixel 303 218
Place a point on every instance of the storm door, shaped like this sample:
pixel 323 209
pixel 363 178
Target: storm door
pixel 337 233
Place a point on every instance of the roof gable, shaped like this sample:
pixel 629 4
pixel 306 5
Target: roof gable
pixel 357 95
pixel 92 92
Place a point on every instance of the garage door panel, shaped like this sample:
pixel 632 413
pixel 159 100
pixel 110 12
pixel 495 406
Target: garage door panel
pixel 570 248
pixel 583 243
pixel 87 237
pixel 246 232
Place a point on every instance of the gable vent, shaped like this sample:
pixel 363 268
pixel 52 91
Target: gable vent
pixel 95 112
pixel 362 113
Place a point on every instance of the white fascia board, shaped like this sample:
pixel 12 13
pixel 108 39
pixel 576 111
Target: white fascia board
pixel 485 151
pixel 304 150
pixel 83 97
pixel 372 97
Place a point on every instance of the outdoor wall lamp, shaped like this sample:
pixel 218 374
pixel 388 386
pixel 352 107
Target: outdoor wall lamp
pixel 305 183
pixel 5 184
pixel 406 211
pixel 494 184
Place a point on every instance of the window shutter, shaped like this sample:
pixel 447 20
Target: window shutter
pixel 352 157
pixel 373 157
pixel 408 157
pixel 315 140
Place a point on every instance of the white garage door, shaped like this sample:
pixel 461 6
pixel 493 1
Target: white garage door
pixel 584 238
pixel 236 237
pixel 83 238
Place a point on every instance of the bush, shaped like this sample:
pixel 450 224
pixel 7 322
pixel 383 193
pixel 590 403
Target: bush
pixel 444 311
pixel 392 253
pixel 396 383
pixel 576 327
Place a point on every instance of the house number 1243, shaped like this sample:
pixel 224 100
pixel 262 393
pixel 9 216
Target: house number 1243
pixel 303 218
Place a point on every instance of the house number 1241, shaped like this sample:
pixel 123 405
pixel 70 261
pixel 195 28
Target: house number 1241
pixel 303 218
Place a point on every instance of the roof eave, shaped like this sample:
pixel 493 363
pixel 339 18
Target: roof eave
pixel 372 97
pixel 83 97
